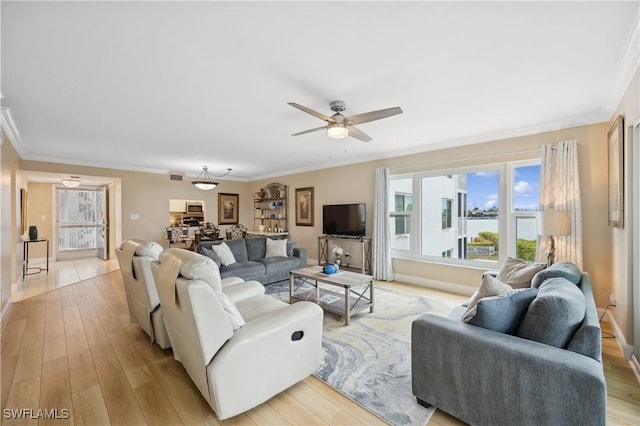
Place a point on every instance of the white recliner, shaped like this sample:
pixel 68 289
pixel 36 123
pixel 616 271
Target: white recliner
pixel 135 257
pixel 239 346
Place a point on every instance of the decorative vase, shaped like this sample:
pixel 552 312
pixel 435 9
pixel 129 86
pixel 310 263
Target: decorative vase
pixel 33 233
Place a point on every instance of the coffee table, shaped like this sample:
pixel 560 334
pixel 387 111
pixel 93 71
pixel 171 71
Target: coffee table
pixel 356 294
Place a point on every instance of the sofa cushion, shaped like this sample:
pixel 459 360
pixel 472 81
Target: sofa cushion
pixel 501 313
pixel 211 254
pixel 490 286
pixel 555 314
pixel 273 264
pixel 255 248
pixel 243 269
pixel 518 273
pixel 224 254
pixel 238 248
pixel 566 270
pixel 276 248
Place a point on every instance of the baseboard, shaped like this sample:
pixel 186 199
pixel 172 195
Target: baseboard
pixel 626 349
pixel 434 284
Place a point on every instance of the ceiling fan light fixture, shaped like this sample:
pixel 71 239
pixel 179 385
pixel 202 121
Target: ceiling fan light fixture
pixel 72 182
pixel 337 130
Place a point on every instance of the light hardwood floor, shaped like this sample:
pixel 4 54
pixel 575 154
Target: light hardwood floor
pixel 74 348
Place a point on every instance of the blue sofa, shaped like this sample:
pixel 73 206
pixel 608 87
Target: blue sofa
pixel 251 263
pixel 488 377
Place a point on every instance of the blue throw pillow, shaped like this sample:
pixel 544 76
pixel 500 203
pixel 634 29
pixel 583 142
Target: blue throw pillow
pixel 566 270
pixel 501 313
pixel 290 246
pixel 555 314
pixel 212 254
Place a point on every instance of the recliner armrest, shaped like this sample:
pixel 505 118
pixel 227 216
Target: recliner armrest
pixel 243 290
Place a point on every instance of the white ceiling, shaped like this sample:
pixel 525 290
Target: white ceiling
pixel 172 86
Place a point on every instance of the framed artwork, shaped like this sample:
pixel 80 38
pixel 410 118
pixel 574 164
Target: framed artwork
pixel 304 206
pixel 228 209
pixel 615 144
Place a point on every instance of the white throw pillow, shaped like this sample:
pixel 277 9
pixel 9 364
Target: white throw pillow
pixel 490 286
pixel 518 273
pixel 276 248
pixel 224 253
pixel 232 312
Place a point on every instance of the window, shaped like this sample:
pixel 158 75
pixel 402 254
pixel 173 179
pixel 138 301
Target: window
pixel 401 202
pixel 477 211
pixel 446 213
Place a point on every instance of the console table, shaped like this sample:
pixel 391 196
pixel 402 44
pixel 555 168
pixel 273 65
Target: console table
pixel 325 256
pixel 25 257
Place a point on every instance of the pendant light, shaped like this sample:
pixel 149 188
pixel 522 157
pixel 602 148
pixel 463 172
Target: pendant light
pixel 205 181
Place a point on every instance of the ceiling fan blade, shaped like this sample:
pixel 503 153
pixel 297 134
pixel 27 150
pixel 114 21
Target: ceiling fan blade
pixel 374 115
pixel 312 112
pixel 359 134
pixel 310 131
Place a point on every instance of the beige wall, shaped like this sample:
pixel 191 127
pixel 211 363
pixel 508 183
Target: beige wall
pixel 39 200
pixel 621 284
pixel 9 220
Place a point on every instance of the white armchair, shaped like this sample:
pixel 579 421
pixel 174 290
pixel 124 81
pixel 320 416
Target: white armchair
pixel 239 346
pixel 135 257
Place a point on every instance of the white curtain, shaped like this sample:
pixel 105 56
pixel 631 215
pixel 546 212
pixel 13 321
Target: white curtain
pixel 382 265
pixel 560 191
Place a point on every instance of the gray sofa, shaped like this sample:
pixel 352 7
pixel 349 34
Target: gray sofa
pixel 486 377
pixel 251 263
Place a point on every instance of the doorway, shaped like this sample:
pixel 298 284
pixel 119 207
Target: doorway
pixel 82 223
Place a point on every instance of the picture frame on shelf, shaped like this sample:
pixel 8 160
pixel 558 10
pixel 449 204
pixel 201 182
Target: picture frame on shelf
pixel 304 206
pixel 615 145
pixel 228 208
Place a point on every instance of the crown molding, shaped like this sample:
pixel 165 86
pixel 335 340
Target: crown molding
pixel 10 129
pixel 628 65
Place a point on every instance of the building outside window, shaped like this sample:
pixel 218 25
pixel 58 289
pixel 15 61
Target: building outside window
pixel 446 213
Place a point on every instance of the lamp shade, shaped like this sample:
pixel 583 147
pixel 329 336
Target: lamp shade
pixel 71 183
pixel 553 223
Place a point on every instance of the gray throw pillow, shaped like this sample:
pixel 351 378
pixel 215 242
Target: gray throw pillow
pixel 490 287
pixel 501 313
pixel 290 246
pixel 566 270
pixel 518 273
pixel 212 255
pixel 555 314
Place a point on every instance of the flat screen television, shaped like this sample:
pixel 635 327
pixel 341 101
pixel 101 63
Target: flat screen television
pixel 344 219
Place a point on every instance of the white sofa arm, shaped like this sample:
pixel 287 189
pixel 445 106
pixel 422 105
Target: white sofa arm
pixel 275 350
pixel 243 290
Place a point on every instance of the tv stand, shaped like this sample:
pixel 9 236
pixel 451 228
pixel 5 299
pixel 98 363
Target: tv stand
pixel 363 264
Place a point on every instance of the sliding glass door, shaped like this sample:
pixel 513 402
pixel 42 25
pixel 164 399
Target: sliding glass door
pixel 82 223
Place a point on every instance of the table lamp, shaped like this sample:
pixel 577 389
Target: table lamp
pixel 553 223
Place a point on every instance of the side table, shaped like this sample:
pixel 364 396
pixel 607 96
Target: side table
pixel 25 257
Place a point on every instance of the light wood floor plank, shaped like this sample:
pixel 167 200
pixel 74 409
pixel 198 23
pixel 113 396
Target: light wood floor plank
pixel 82 370
pixel 155 406
pixel 55 391
pixel 292 410
pixel 23 394
pixel 89 408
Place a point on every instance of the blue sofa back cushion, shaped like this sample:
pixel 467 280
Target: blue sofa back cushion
pixel 566 270
pixel 256 248
pixel 555 314
pixel 238 248
pixel 501 313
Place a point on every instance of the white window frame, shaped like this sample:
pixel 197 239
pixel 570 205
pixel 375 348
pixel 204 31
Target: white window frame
pixel 506 216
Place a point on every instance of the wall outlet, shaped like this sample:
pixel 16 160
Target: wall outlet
pixel 613 300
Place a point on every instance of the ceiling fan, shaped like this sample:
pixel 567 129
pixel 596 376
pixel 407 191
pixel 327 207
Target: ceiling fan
pixel 340 126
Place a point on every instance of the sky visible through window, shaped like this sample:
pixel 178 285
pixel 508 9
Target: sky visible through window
pixel 482 189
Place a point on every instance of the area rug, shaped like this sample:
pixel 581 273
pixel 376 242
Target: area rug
pixel 370 360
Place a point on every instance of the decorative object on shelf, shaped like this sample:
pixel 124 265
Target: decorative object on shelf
pixel 205 182
pixel 270 209
pixel 615 143
pixel 337 254
pixel 346 259
pixel 330 268
pixel 304 206
pixel 228 208
pixel 71 182
pixel 553 223
pixel 33 233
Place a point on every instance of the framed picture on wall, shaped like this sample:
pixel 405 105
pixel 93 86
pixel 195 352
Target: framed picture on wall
pixel 615 144
pixel 228 209
pixel 304 206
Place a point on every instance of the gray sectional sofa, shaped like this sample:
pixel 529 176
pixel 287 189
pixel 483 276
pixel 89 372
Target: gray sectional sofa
pixel 544 368
pixel 251 263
